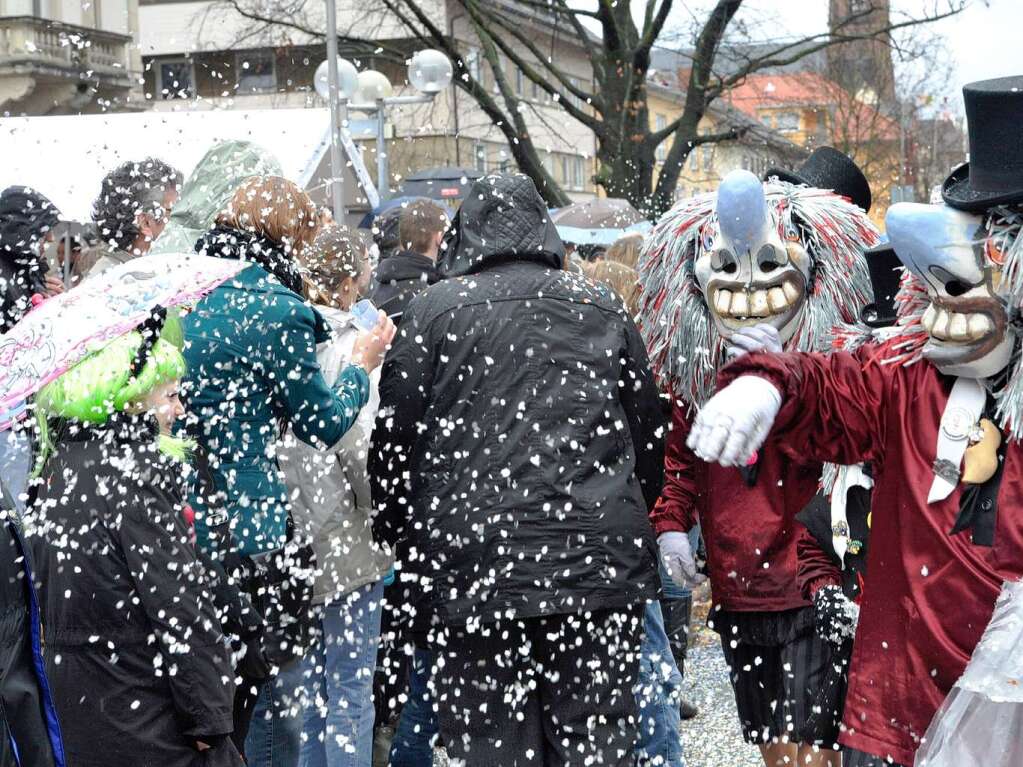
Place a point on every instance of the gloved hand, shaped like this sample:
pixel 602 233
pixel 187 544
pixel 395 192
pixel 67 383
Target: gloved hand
pixel 735 422
pixel 758 338
pixel 677 555
pixel 834 615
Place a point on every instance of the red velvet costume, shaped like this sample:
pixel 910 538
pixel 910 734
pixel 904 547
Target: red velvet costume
pixel 931 594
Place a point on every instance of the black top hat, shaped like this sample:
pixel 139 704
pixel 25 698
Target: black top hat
pixel 885 275
pixel 827 168
pixel 994 174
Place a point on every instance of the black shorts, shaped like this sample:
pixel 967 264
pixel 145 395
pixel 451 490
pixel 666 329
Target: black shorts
pixel 788 682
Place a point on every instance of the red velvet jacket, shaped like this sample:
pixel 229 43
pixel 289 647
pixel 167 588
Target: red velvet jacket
pixel 750 532
pixel 928 595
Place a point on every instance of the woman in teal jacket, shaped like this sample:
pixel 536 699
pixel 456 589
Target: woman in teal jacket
pixel 252 371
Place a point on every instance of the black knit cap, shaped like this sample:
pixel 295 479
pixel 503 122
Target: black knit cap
pixel 827 168
pixel 994 174
pixel 885 274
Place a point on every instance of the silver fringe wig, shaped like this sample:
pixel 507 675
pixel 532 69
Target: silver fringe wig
pixel 684 345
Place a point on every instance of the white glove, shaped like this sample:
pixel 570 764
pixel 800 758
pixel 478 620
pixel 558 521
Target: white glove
pixel 677 555
pixel 734 423
pixel 758 338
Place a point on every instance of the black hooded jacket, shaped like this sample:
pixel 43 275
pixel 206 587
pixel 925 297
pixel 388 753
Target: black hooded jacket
pixel 25 218
pixel 519 441
pixel 400 278
pixel 134 649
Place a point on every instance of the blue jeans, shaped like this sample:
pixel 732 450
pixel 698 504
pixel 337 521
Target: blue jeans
pixel 319 712
pixel 657 696
pixel 417 728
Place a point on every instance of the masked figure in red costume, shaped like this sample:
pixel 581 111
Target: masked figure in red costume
pixel 938 412
pixel 773 265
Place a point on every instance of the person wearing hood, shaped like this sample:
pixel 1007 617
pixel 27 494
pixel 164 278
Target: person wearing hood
pixel 413 268
pixel 208 190
pixel 518 451
pixel 132 210
pixel 27 219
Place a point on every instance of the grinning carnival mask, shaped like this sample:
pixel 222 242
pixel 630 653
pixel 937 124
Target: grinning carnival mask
pixel 958 259
pixel 754 252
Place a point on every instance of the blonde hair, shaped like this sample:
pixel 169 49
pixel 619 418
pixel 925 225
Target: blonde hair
pixel 625 250
pixel 275 208
pixel 337 254
pixel 622 279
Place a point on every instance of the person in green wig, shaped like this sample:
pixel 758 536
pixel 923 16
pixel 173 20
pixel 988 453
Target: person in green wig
pixel 134 649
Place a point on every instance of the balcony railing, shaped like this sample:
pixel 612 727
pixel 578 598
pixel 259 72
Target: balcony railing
pixel 29 43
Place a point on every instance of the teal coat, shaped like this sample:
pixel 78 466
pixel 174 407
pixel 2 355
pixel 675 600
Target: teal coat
pixel 250 346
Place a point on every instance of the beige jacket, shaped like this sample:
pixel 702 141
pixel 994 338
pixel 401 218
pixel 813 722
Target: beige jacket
pixel 329 489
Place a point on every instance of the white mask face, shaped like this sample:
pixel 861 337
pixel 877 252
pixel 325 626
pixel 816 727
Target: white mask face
pixel 967 321
pixel 747 273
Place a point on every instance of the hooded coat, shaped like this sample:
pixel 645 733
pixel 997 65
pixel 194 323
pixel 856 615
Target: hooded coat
pixel 208 190
pixel 518 446
pixel 133 646
pixel 25 218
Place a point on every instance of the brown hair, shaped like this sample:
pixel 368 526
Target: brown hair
pixel 622 279
pixel 275 208
pixel 337 254
pixel 418 223
pixel 625 250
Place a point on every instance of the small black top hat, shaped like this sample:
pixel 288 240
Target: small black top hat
pixel 994 174
pixel 827 168
pixel 885 275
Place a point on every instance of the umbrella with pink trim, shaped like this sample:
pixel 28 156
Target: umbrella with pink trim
pixel 61 331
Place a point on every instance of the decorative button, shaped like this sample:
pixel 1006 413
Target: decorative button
pixel 957 423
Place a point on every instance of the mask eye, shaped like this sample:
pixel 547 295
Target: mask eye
pixel 770 258
pixel 791 233
pixel 723 261
pixel 993 251
pixel 708 238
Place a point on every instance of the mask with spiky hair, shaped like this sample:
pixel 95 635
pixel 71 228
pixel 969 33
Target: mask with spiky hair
pixel 960 302
pixel 753 252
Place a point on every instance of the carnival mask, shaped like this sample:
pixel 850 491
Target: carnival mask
pixel 750 271
pixel 960 264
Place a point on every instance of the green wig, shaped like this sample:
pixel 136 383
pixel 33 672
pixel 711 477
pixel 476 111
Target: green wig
pixel 101 384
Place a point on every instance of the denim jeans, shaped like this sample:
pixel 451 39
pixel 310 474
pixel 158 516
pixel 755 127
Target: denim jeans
pixel 338 726
pixel 657 696
pixel 319 712
pixel 417 729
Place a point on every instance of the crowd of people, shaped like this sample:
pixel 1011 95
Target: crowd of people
pixel 448 485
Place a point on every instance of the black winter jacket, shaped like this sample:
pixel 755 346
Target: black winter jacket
pixel 134 651
pixel 519 442
pixel 400 278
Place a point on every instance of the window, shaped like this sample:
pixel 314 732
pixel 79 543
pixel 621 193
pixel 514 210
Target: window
pixel 520 81
pixel 566 170
pixel 536 92
pixel 660 123
pixel 175 79
pixel 694 162
pixel 787 122
pixel 480 153
pixel 255 71
pixel 859 6
pixel 708 157
pixel 578 172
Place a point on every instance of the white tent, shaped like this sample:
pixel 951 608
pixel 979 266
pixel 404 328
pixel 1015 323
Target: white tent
pixel 66 158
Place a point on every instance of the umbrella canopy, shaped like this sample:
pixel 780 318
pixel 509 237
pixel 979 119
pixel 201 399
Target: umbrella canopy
pixel 600 221
pixel 397 202
pixel 58 333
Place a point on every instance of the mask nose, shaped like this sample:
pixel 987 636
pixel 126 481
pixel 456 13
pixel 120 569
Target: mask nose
pixel 742 212
pixel 933 235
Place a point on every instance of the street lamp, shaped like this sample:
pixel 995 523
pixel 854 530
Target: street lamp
pixel 429 72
